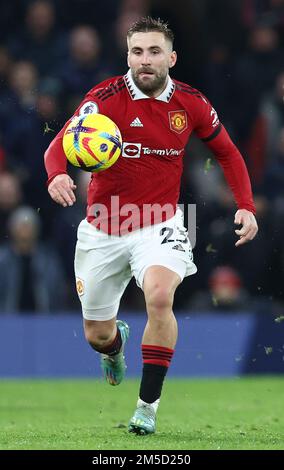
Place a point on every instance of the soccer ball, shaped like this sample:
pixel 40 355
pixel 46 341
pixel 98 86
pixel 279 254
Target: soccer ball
pixel 92 142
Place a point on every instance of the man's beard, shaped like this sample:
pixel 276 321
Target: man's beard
pixel 153 84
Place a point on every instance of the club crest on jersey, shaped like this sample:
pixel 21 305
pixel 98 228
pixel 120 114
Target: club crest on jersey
pixel 178 121
pixel 80 286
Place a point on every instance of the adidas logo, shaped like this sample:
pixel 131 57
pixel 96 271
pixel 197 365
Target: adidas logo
pixel 136 123
pixel 178 247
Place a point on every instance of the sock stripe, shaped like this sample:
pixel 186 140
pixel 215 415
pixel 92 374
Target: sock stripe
pixel 156 351
pixel 157 348
pixel 157 362
pixel 157 355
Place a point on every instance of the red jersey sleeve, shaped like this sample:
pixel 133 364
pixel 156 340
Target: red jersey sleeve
pixel 209 129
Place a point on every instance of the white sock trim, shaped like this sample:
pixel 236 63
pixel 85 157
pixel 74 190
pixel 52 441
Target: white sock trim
pixel 154 405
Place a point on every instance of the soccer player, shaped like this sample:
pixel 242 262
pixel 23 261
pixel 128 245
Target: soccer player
pixel 156 116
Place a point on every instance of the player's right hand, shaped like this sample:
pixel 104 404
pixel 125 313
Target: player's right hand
pixel 61 190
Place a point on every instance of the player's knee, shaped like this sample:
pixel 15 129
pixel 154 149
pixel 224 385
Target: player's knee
pixel 96 336
pixel 159 297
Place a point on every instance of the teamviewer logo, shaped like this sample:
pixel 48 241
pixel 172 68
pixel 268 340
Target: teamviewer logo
pixel 131 150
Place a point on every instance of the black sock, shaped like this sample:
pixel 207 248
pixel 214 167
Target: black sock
pixel 152 382
pixel 156 361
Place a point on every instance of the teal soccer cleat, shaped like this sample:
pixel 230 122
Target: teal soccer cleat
pixel 143 421
pixel 114 366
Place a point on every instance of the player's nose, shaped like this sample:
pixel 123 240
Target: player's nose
pixel 146 59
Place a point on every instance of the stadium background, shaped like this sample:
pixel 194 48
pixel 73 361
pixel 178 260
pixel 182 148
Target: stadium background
pixel 231 312
pixel 51 54
pixel 49 59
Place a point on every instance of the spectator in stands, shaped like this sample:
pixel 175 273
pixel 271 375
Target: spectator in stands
pixel 31 277
pixel 40 42
pixel 226 292
pixel 255 74
pixel 274 177
pixel 263 144
pixel 17 102
pixel 18 98
pixel 84 67
pixel 217 81
pixel 5 67
pixel 270 11
pixel 10 197
pixel 29 131
pixel 23 82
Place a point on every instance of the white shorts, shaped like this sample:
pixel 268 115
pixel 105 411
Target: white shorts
pixel 105 264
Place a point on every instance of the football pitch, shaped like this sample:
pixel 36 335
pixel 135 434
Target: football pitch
pixel 239 413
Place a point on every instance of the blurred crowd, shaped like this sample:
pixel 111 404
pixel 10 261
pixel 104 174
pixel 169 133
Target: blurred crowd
pixel 52 53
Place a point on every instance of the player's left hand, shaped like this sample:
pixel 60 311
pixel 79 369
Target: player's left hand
pixel 249 226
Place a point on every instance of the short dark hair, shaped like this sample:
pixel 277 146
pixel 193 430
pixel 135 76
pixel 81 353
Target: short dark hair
pixel 148 24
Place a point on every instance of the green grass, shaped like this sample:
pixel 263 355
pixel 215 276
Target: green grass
pixel 246 413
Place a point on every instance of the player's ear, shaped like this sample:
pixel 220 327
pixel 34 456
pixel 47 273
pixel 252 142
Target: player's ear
pixel 128 59
pixel 173 59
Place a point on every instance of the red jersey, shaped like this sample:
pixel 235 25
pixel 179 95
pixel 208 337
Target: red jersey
pixel 155 132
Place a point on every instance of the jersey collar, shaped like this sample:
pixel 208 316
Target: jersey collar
pixel 137 94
